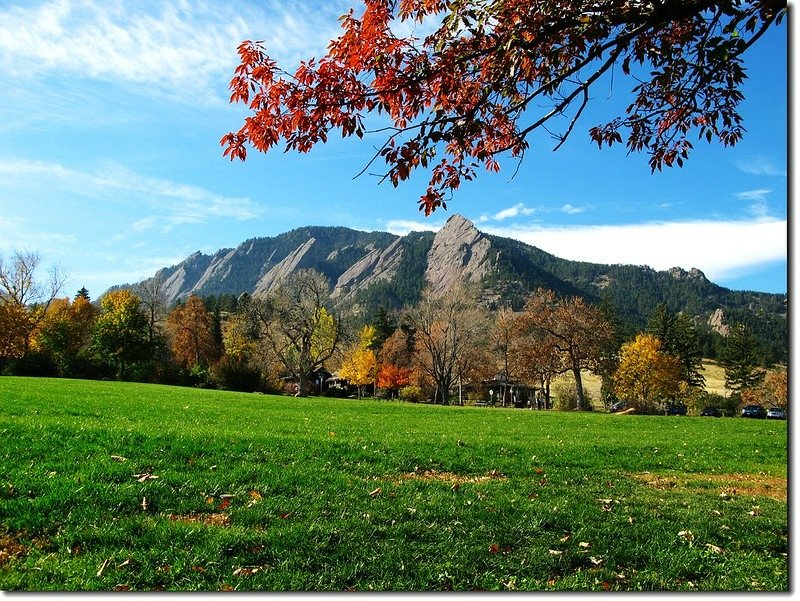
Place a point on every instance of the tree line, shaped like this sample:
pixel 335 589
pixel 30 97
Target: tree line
pixel 287 339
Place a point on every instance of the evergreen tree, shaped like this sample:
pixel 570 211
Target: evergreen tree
pixel 82 293
pixel 679 338
pixel 741 359
pixel 383 327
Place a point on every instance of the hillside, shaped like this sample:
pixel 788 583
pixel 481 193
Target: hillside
pixel 372 269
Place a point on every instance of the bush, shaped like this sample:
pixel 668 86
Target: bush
pixel 230 373
pixel 565 396
pixel 413 394
pixel 32 364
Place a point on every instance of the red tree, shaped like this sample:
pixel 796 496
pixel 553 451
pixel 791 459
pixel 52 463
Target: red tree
pixel 464 95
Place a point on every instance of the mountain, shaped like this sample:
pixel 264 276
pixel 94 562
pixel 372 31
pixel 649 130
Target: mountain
pixel 372 269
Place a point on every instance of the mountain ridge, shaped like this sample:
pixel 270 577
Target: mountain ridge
pixel 372 269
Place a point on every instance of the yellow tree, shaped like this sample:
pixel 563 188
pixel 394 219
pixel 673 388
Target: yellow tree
pixel 359 365
pixel 66 330
pixel 646 374
pixel 120 334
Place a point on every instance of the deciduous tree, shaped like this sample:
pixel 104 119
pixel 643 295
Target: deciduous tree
pixel 359 364
pixel 447 330
pixel 646 374
pixel 576 331
pixel 294 326
pixel 495 71
pixel 120 336
pixel 24 300
pixel 190 330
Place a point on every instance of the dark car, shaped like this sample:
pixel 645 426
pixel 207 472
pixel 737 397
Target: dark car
pixel 711 412
pixel 677 409
pixel 776 413
pixel 756 411
pixel 618 406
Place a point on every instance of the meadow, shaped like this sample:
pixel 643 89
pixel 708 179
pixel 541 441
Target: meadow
pixel 122 486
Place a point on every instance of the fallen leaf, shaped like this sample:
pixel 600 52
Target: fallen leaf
pixel 121 587
pixel 686 535
pixel 494 548
pixel 200 569
pixel 556 552
pixel 127 562
pixel 596 561
pixel 103 567
pixel 119 458
pixel 585 545
pixel 145 505
pixel 713 548
pixel 631 519
pixel 224 504
pixel 255 495
pixel 375 492
pixel 455 487
pixel 756 510
pixel 144 477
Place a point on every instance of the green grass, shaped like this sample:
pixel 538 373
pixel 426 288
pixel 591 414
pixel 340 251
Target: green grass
pixel 221 491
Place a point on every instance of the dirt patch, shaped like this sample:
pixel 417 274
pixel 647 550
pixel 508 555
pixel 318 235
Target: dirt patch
pixel 451 477
pixel 755 485
pixel 219 520
pixel 11 548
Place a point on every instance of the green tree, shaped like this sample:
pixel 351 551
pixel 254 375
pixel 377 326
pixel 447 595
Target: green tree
pixel 741 360
pixel 679 338
pixel 120 336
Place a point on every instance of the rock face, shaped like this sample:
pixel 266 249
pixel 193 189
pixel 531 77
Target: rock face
pixel 379 265
pixel 459 253
pixel 717 322
pixel 283 268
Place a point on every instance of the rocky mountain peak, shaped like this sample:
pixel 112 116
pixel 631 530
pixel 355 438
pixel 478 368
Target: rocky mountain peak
pixel 459 253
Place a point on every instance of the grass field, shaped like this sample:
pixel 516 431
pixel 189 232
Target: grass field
pixel 117 486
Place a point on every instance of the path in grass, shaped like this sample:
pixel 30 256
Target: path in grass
pixel 136 487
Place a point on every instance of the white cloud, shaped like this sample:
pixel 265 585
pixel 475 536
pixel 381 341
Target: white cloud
pixel 186 50
pixel 570 210
pixel 721 249
pixel 401 227
pixel 515 211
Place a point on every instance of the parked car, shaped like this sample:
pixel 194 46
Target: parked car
pixel 776 413
pixel 756 411
pixel 618 406
pixel 711 412
pixel 677 409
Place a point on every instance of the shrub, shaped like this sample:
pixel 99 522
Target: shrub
pixel 230 373
pixel 413 394
pixel 565 396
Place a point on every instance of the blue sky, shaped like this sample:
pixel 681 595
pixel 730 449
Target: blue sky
pixel 110 166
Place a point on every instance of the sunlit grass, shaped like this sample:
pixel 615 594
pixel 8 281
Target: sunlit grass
pixel 138 487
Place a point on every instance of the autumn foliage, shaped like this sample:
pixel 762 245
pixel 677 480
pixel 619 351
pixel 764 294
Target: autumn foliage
pixel 494 71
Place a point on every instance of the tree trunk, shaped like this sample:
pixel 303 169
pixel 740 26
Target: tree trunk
pixel 576 371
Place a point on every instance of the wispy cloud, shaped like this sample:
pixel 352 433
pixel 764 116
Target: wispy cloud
pixel 570 210
pixel 186 50
pixel 171 203
pixel 758 201
pixel 761 166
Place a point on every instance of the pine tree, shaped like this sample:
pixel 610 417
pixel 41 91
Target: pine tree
pixel 741 359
